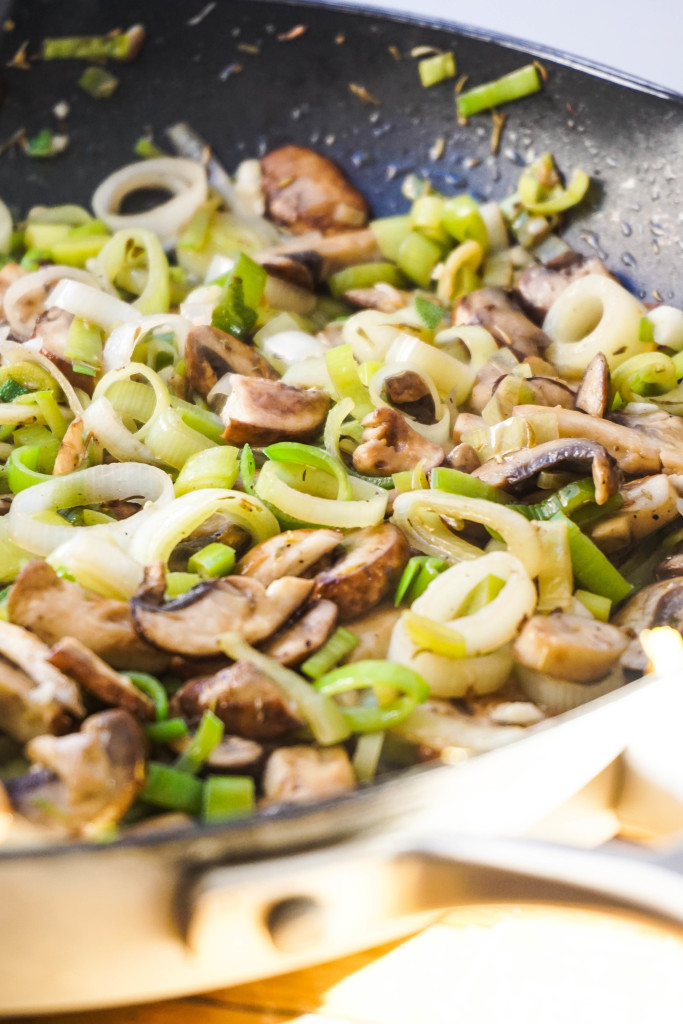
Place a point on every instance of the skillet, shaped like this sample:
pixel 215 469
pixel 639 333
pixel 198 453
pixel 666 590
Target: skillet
pixel 166 914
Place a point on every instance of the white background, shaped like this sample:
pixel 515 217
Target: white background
pixel 643 37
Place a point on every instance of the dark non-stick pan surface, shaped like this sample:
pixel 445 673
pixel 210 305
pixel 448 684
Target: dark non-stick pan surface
pixel 245 81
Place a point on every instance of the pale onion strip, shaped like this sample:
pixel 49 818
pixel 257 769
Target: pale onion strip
pixel 119 346
pixel 309 373
pixel 593 314
pixel 446 372
pixel 11 414
pixel 498 621
pixel 290 346
pixel 98 562
pixel 557 695
pixel 413 509
pixel 86 487
pixel 468 254
pixel 102 422
pixel 163 531
pixel 474 346
pixel 161 392
pixel 91 303
pixel 6 228
pixel 451 677
pixel 288 297
pixel 333 425
pixel 186 179
pixel 370 334
pixel 151 282
pixel 366 508
pixel 667 322
pixel 496 230
pixel 13 352
pixel 221 389
pixel 21 311
pixel 432 728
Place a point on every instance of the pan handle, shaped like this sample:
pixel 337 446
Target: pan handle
pixel 281 915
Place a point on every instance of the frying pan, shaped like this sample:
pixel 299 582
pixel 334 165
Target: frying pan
pixel 167 914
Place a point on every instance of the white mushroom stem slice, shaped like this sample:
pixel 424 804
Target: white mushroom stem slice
pixel 649 504
pixel 288 554
pixel 27 297
pixel 29 654
pixel 569 646
pixel 301 774
pixel 186 179
pixel 419 515
pixel 95 775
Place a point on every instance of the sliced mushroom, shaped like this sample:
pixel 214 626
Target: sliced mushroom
pixel 648 505
pixel 233 754
pixel 659 604
pixel 550 391
pixel 373 631
pixel 539 285
pixel 211 353
pixel 190 625
pixel 409 390
pixel 84 381
pixel 307 191
pixel 35 697
pixel 72 450
pixel 259 412
pixel 52 608
pixel 295 775
pixel 661 427
pixel 247 702
pixel 495 310
pixel 390 445
pixel 569 646
pixel 296 642
pixel 670 567
pixel 517 470
pixel 634 455
pixel 291 553
pixel 594 389
pixel 94 775
pixel 52 330
pixel 287 268
pixel 94 675
pixel 464 458
pixel 372 562
pixel 485 383
pixel 382 296
pixel 323 257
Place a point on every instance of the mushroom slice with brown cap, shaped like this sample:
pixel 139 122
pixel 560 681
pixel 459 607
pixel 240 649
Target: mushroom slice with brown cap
pixel 381 296
pixel 72 450
pixel 670 567
pixel 296 642
pixel 295 775
pixel 259 411
pixel 52 607
pixel 634 454
pixel 49 701
pixel 372 562
pixel 246 701
pixel 594 389
pixel 307 191
pixel 517 470
pixel 323 257
pixel 291 553
pixel 211 353
pixel 464 458
pixel 233 754
pixel 390 445
pixel 569 646
pixel 659 604
pixel 94 775
pixel 659 426
pixel 94 675
pixel 539 285
pixel 649 504
pixel 191 624
pixel 495 310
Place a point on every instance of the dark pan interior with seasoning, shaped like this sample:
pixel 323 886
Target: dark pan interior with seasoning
pixel 292 88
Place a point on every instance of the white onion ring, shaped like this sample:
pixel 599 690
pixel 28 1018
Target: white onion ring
pixel 18 292
pixel 438 432
pixel 119 346
pixel 186 179
pixel 13 352
pixel 558 695
pixel 86 487
pixel 91 303
pixel 99 563
pixel 101 421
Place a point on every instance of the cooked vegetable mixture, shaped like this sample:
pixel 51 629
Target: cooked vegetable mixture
pixel 292 498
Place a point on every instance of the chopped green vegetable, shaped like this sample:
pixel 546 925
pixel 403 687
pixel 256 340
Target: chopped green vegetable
pixel 33 258
pixel 212 561
pixel 456 482
pixel 437 68
pixel 462 220
pixel 361 675
pixel 148 150
pixel 514 86
pixel 236 312
pixel 151 686
pixel 45 144
pixel 592 569
pixel 336 647
pixel 599 607
pixel 227 797
pixel 364 275
pixel 166 732
pixel 98 83
pixel 416 577
pixel 207 737
pixel 11 389
pixel 175 790
pixel 430 313
pixel 417 256
pixel 121 46
pixel 482 594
